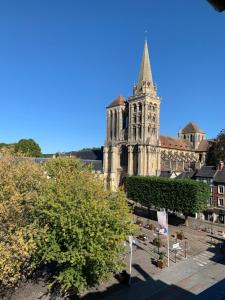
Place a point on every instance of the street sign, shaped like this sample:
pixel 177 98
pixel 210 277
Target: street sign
pixel 176 246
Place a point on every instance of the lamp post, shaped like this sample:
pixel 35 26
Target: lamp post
pixel 211 219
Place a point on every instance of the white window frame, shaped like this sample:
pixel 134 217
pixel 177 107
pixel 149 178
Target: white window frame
pixel 220 189
pixel 219 199
pixel 211 200
pixel 211 189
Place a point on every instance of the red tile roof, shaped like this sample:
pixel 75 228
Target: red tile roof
pixel 120 100
pixel 173 143
pixel 191 128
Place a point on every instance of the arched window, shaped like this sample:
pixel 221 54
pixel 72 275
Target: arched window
pixel 139 132
pixel 115 123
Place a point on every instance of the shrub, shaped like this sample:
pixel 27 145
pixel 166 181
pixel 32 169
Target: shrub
pixel 186 196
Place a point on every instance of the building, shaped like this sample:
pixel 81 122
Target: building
pixel 91 157
pixel 133 143
pixel 215 178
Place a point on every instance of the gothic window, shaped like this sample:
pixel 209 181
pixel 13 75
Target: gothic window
pixel 126 121
pixel 135 133
pixel 115 123
pixel 191 138
pixel 139 131
pixel 140 106
pixel 153 118
pixel 111 124
pixel 135 107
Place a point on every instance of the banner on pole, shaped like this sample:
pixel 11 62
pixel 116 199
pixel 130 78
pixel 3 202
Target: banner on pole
pixel 162 220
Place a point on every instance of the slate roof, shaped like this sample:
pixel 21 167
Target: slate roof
pixel 165 174
pixel 120 100
pixel 203 146
pixel 220 176
pixel 206 171
pixel 186 175
pixel 87 154
pixel 173 143
pixel 96 164
pixel 191 128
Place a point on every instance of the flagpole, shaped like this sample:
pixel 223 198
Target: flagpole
pixel 130 267
pixel 168 243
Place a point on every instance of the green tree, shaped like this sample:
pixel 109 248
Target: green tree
pixel 186 196
pixel 28 147
pixel 87 225
pixel 216 152
pixel 21 183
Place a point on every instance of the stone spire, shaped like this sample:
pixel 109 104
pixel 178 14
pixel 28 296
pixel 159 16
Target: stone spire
pixel 145 75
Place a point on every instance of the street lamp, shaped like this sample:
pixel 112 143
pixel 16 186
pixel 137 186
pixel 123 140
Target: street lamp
pixel 211 219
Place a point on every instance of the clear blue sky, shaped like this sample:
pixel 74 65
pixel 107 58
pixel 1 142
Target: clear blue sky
pixel 62 62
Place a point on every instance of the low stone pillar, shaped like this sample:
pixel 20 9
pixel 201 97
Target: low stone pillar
pixel 130 160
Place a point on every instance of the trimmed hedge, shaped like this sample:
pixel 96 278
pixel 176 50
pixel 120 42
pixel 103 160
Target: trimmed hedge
pixel 186 196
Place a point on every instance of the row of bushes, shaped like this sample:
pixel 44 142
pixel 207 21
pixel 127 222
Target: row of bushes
pixel 186 196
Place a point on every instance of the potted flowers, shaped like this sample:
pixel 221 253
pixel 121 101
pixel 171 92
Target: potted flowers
pixel 161 262
pixel 157 242
pixel 180 235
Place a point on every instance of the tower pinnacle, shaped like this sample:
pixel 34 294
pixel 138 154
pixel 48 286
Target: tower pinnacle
pixel 145 75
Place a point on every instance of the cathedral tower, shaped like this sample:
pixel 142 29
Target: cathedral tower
pixel 144 122
pixel 132 138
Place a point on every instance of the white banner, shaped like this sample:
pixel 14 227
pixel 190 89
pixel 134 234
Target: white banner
pixel 162 220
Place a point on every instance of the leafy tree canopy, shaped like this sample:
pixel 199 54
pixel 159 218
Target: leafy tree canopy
pixel 216 152
pixel 21 183
pixel 28 147
pixel 86 225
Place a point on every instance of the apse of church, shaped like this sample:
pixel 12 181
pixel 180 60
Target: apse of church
pixel 133 143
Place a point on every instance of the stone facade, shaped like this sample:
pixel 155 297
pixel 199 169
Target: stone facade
pixel 133 143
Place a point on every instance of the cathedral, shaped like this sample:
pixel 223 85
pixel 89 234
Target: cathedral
pixel 133 143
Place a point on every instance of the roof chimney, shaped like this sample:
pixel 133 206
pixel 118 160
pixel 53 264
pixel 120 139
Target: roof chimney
pixel 220 165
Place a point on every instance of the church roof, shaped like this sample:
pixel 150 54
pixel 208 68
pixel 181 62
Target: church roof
pixel 145 74
pixel 191 128
pixel 173 143
pixel 120 100
pixel 204 145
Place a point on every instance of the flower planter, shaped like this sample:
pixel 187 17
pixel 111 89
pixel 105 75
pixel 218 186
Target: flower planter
pixel 157 243
pixel 180 237
pixel 161 263
pixel 149 226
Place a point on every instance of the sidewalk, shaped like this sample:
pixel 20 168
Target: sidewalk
pixel 181 281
